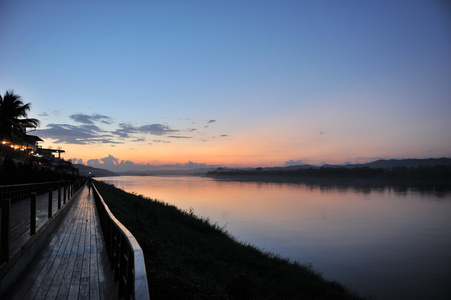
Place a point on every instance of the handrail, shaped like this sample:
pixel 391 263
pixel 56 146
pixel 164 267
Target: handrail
pixel 124 252
pixel 19 192
pixel 14 193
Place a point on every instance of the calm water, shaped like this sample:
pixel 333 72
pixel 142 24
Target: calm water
pixel 380 242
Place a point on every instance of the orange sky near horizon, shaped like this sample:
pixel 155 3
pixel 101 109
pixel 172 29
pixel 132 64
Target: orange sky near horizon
pixel 233 83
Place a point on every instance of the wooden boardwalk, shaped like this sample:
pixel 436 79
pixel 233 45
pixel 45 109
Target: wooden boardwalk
pixel 74 262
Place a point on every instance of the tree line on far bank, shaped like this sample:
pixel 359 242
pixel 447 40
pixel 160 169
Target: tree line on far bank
pixel 422 176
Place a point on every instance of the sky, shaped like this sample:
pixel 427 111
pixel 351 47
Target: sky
pixel 232 83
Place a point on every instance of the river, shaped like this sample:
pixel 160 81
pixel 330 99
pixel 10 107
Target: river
pixel 381 242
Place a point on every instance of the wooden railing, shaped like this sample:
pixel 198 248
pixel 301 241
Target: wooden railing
pixel 20 192
pixel 125 254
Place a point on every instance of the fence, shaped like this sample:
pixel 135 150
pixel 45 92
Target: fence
pixel 19 192
pixel 12 194
pixel 125 254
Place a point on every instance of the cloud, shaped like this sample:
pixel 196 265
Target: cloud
pixel 71 134
pixel 116 165
pixel 88 129
pixel 76 160
pixel 124 130
pixel 156 129
pixel 223 135
pixel 90 119
pixel 161 141
pixel 66 133
pixel 180 137
pixel 89 133
pixel 193 165
pixel 54 113
pixel 294 163
pixel 93 162
pixel 127 129
pixel 209 122
pixel 139 140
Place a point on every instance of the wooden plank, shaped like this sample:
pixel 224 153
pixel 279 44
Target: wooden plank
pixel 74 264
pixel 74 290
pixel 94 291
pixel 84 290
pixel 64 289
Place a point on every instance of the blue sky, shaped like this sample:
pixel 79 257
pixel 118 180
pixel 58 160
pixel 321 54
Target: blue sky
pixel 237 83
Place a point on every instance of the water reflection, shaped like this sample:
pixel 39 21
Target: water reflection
pixel 389 242
pixel 433 194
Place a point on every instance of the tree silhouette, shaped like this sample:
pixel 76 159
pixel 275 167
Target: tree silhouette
pixel 13 113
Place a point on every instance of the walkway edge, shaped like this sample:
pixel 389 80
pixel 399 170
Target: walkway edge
pixel 20 259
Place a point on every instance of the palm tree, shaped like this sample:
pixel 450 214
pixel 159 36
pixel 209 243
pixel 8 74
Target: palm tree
pixel 13 114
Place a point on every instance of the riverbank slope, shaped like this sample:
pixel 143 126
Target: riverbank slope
pixel 188 257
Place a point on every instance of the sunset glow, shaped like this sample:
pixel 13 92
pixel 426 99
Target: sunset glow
pixel 231 83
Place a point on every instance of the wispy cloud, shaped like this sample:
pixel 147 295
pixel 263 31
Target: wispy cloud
pixel 71 134
pixel 161 141
pixel 125 130
pixel 180 137
pixel 139 140
pixel 292 162
pixel 90 119
pixel 117 165
pixel 89 129
pixel 156 129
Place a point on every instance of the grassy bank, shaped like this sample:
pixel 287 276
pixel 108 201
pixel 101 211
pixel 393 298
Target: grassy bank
pixel 188 257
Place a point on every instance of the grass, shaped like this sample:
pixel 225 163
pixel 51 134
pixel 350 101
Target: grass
pixel 188 257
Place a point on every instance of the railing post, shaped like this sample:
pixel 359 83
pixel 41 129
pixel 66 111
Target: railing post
pixel 33 214
pixel 4 251
pixel 50 202
pixel 64 196
pixel 59 197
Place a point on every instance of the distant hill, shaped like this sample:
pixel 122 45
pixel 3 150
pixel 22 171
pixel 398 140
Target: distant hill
pixel 96 172
pixel 396 163
pixel 378 164
pixel 409 163
pixel 423 173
